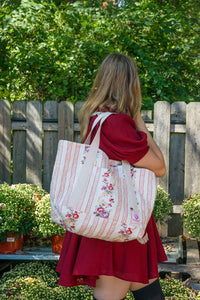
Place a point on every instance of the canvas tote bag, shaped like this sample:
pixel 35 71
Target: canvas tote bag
pixel 96 197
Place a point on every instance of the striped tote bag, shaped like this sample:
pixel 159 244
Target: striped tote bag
pixel 96 197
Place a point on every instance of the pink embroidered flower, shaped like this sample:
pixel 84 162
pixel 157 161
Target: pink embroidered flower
pixel 135 217
pixel 68 215
pixel 103 188
pixel 100 209
pixel 105 214
pixel 110 187
pixel 121 231
pixel 128 231
pixel 111 199
pixel 131 174
pixel 75 216
pixel 72 226
pixel 106 174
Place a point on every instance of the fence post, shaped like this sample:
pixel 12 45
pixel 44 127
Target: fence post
pixel 176 167
pixel 34 143
pixel 5 141
pixel 162 136
pixel 192 149
pixel 19 144
pixel 50 143
pixel 66 121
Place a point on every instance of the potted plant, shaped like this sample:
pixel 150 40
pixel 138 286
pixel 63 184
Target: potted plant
pixel 162 210
pixel 45 227
pixel 191 220
pixel 17 208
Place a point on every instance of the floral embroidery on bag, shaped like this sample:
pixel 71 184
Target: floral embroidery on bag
pixel 125 232
pixel 135 217
pixel 71 218
pixel 105 201
pixel 86 150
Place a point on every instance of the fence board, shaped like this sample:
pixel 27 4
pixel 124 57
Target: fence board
pixel 162 135
pixel 66 121
pixel 19 139
pixel 5 141
pixel 192 157
pixel 34 143
pixel 177 166
pixel 60 121
pixel 77 134
pixel 50 144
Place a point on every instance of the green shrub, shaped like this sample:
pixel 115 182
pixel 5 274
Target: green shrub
pixel 52 52
pixel 174 288
pixel 162 207
pixel 191 218
pixel 17 208
pixel 38 281
pixel 44 226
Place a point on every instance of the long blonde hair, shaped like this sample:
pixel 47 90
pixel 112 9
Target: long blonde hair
pixel 116 85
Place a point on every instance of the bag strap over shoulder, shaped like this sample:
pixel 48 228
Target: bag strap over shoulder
pixel 101 116
pixel 88 164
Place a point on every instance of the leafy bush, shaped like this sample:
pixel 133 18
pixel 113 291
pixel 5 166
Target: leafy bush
pixel 174 288
pixel 17 208
pixel 191 218
pixel 44 226
pixel 38 281
pixel 162 207
pixel 52 49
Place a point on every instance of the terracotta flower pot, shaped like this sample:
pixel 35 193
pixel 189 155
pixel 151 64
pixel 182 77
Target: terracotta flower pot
pixel 56 242
pixel 11 244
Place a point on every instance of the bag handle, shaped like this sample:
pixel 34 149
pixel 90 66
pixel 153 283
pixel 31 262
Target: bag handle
pixel 101 116
pixel 83 177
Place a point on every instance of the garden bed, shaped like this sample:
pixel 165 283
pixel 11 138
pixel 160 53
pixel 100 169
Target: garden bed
pixel 38 281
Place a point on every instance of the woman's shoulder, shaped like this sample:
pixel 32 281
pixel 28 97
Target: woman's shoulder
pixel 120 120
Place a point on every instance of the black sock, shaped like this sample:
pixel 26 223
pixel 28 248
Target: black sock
pixel 152 291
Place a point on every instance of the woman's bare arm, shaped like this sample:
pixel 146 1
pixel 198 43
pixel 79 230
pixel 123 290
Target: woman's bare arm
pixel 154 159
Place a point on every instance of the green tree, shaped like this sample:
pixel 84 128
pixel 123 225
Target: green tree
pixel 51 49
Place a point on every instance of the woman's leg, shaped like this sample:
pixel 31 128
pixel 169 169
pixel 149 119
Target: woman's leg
pixel 111 288
pixel 151 291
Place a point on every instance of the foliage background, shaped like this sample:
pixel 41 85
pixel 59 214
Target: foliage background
pixel 51 49
pixel 38 281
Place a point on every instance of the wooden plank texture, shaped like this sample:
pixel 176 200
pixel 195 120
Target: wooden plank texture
pixel 34 143
pixel 177 155
pixel 50 144
pixel 77 134
pixel 66 121
pixel 177 166
pixel 192 155
pixel 192 251
pixel 192 269
pixel 5 141
pixel 162 135
pixel 19 145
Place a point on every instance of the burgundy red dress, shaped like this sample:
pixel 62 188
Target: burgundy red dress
pixel 83 259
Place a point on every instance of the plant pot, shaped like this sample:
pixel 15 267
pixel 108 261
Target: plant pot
pixel 11 244
pixel 56 242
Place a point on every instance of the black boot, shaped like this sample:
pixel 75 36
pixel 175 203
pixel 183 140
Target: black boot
pixel 152 291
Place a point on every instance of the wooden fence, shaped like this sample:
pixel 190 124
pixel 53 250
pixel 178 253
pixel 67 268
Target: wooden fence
pixel 29 134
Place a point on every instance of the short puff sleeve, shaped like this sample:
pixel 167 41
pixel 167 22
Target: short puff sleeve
pixel 119 138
